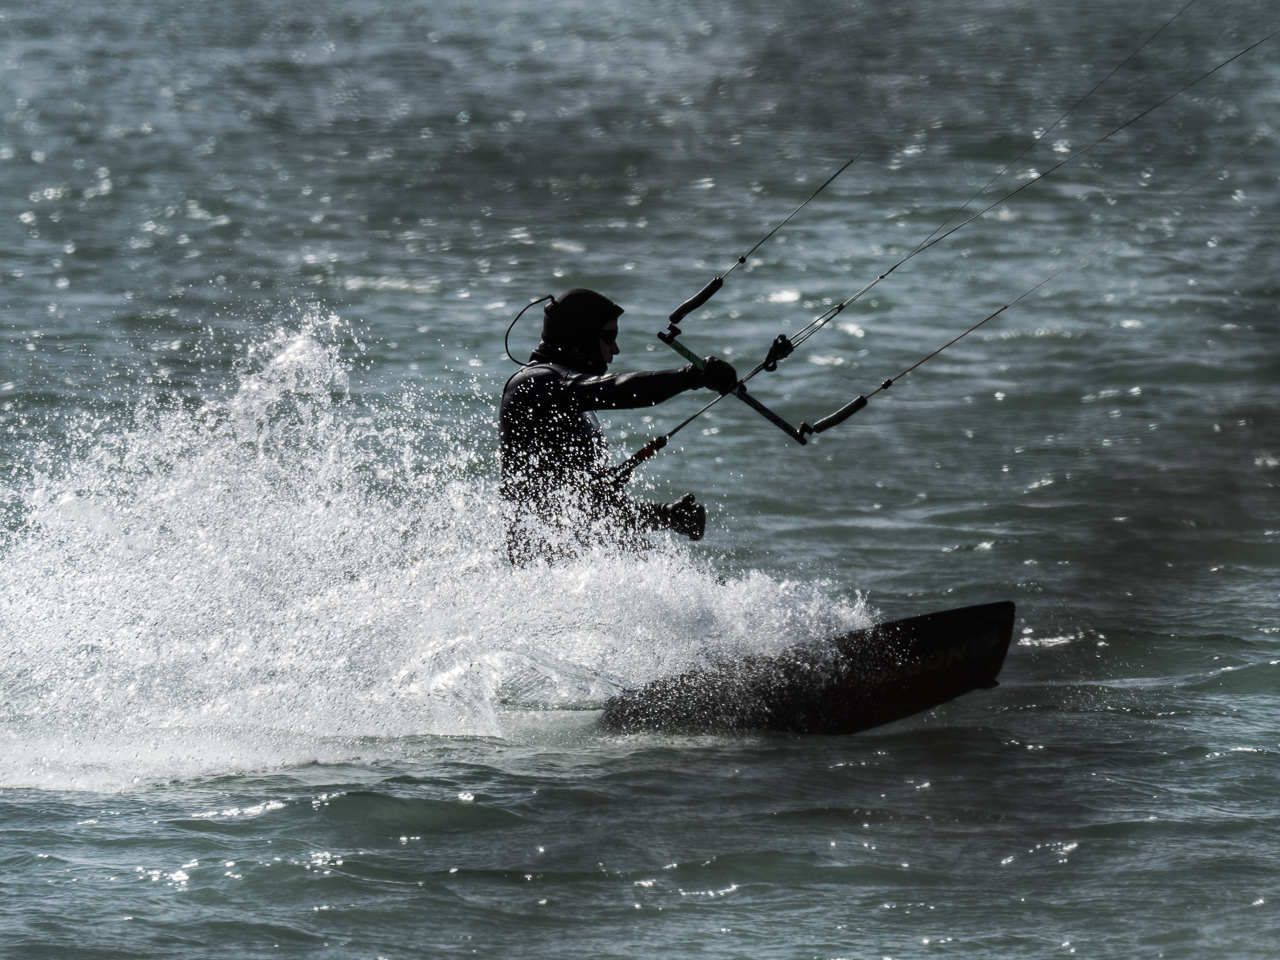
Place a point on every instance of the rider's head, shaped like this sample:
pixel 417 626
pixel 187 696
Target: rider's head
pixel 582 326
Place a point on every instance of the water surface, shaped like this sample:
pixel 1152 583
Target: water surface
pixel 268 684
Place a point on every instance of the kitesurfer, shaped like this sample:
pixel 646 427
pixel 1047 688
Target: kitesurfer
pixel 557 492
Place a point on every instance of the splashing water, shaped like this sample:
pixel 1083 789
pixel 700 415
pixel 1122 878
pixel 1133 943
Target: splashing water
pixel 285 575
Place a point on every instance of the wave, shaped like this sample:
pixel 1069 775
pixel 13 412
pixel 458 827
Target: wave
pixel 248 580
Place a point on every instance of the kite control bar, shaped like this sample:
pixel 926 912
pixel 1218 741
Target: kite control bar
pixel 781 348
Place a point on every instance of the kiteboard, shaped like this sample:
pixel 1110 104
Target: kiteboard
pixel 842 685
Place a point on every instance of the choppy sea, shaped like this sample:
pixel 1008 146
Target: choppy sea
pixel 268 686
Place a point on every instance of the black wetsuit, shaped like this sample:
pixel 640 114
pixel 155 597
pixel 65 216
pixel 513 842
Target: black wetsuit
pixel 554 454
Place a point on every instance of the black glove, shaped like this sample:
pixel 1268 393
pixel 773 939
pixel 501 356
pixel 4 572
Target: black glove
pixel 686 517
pixel 719 375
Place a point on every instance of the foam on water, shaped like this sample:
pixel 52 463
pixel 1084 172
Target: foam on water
pixel 265 577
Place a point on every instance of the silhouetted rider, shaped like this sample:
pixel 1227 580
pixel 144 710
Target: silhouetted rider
pixel 555 483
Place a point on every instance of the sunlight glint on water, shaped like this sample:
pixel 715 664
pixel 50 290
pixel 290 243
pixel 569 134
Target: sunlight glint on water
pixel 267 684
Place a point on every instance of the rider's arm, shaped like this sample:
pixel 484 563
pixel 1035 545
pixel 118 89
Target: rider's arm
pixel 626 391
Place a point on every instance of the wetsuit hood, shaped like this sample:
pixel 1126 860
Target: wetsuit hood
pixel 571 326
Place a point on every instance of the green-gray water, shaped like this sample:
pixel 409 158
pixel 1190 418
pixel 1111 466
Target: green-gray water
pixel 267 684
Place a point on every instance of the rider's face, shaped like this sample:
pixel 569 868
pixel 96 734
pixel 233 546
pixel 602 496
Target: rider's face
pixel 609 341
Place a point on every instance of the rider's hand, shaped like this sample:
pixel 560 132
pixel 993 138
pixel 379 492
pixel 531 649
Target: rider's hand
pixel 719 375
pixel 686 517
